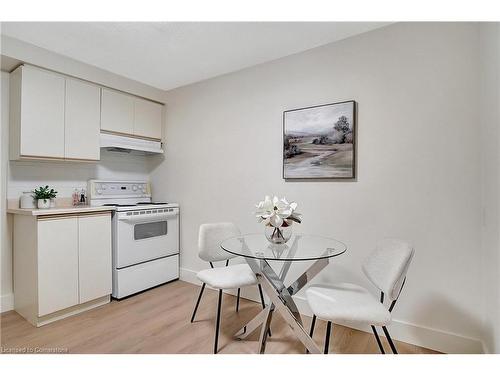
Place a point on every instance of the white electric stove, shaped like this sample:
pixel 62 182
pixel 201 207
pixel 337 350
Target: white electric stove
pixel 145 235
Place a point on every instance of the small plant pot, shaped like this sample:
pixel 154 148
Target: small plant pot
pixel 43 203
pixel 52 203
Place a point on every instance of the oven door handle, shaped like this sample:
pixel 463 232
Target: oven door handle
pixel 147 218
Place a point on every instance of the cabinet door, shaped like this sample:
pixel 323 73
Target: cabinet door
pixel 57 264
pixel 117 112
pixel 42 113
pixel 147 118
pixel 82 120
pixel 94 256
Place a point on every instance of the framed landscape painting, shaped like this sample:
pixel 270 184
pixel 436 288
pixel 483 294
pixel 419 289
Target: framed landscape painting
pixel 319 142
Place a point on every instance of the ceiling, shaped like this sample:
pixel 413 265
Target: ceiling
pixel 172 54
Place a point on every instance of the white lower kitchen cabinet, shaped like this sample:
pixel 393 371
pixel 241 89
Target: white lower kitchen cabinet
pixel 94 257
pixel 57 244
pixel 62 264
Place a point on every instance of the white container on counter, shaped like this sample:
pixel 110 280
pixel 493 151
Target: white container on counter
pixel 26 200
pixel 43 203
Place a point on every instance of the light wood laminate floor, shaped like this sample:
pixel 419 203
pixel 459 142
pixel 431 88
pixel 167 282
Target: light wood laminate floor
pixel 157 321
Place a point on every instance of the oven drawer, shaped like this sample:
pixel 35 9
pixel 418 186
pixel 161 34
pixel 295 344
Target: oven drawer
pixel 142 276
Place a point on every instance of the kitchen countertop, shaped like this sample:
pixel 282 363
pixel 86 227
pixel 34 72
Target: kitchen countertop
pixel 58 210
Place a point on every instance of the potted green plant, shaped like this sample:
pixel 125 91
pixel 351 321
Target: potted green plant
pixel 43 196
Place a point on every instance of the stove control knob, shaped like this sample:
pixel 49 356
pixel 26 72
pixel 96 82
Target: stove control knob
pixel 134 187
pixel 99 191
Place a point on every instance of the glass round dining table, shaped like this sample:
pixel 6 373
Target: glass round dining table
pixel 259 253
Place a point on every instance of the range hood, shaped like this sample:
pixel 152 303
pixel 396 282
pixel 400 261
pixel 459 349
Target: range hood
pixel 121 143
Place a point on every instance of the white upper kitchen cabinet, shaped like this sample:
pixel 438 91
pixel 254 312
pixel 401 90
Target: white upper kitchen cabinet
pixel 117 112
pixel 57 117
pixel 147 118
pixel 37 113
pixel 94 239
pixel 129 115
pixel 82 120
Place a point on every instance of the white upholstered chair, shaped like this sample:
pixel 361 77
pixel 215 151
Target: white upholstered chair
pixel 341 303
pixel 228 277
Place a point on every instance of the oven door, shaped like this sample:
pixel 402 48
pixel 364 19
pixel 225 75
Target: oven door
pixel 146 235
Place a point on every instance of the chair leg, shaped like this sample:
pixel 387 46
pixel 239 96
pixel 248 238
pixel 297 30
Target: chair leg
pixel 313 323
pixel 393 347
pixel 327 338
pixel 238 301
pixel 197 302
pixel 378 340
pixel 217 322
pixel 311 331
pixel 261 297
pixel 263 304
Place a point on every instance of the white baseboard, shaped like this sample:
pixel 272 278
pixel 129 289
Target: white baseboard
pixel 6 302
pixel 426 337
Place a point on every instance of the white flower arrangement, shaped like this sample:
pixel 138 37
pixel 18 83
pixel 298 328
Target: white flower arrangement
pixel 277 212
pixel 277 215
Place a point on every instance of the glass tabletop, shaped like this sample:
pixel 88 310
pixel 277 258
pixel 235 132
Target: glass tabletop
pixel 300 247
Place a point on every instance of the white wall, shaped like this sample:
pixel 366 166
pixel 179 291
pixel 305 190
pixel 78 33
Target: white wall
pixel 65 176
pixel 418 164
pixel 490 162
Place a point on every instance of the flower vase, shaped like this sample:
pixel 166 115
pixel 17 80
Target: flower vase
pixel 278 235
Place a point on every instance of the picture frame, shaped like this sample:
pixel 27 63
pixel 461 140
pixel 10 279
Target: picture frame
pixel 319 142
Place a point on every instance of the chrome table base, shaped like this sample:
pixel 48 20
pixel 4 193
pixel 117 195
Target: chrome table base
pixel 281 301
